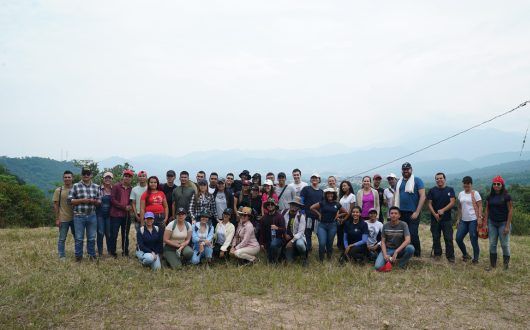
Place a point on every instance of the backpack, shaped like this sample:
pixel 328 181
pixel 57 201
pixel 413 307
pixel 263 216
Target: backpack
pixel 185 222
pixel 156 228
pixel 287 210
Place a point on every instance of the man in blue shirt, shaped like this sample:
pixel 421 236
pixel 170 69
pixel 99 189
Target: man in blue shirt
pixel 441 200
pixel 409 197
pixel 311 195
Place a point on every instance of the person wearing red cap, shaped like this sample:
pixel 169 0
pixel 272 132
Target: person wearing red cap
pixel 377 186
pixel 498 221
pixel 121 205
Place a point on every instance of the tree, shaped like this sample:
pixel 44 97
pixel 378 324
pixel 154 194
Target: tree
pixel 117 172
pixel 80 163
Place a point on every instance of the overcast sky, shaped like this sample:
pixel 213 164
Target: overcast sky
pixel 129 78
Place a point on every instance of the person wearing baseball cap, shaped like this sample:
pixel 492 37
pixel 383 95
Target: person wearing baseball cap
pixel 244 244
pixel 295 230
pixel 202 236
pixel 377 186
pixel 470 212
pixel 103 213
pixel 224 233
pixel 120 199
pixel 256 180
pixel 136 195
pixel 177 238
pixel 311 195
pixel 149 242
pixel 272 231
pixel 388 194
pixel 284 192
pixel 268 193
pixel 409 197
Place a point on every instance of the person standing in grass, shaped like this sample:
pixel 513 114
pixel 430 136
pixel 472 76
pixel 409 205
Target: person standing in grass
pixel 498 221
pixel 347 200
pixel 355 237
pixel 213 182
pixel 224 233
pixel 295 230
pixel 395 242
pixel 310 195
pixel 441 200
pixel 149 242
pixel 272 230
pixel 377 186
pixel 242 197
pixel 244 244
pixel 367 198
pixel 268 193
pixel 388 194
pixel 168 188
pixel 202 236
pixel 154 200
pixel 136 195
pixel 285 193
pixel 64 213
pixel 177 237
pixel 183 194
pixel 120 214
pixel 470 211
pixel 230 182
pixel 85 196
pixel 297 184
pixel 223 200
pixel 373 242
pixel 103 213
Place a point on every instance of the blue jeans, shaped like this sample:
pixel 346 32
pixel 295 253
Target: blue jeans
pixel 326 233
pixel 206 254
pixel 496 233
pixel 299 245
pixel 63 232
pixel 463 228
pixel 148 259
pixel 115 224
pixel 90 223
pixel 273 249
pixel 404 255
pixel 103 231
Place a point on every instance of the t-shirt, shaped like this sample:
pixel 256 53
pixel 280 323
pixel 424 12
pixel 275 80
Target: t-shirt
pixel 136 195
pixel 409 202
pixel 168 191
pixel 264 199
pixel 374 232
pixel 220 204
pixel 441 198
pixel 355 231
pixel 468 210
pixel 182 197
pixel 243 201
pixel 381 192
pixel 266 224
pixel 395 236
pixel 368 203
pixel 287 196
pixel 298 187
pixel 328 211
pixel 221 233
pixel 66 212
pixel 389 196
pixel 346 201
pixel 255 204
pixel 498 212
pixel 310 196
pixel 289 229
pixel 155 203
pixel 211 190
pixel 178 236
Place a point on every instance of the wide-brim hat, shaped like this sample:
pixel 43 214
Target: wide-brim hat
pixel 271 201
pixel 246 210
pixel 297 200
pixel 245 172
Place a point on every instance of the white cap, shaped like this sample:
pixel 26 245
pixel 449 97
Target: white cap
pixel 391 175
pixel 268 182
pixel 316 175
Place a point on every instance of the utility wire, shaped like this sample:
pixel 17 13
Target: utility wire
pixel 524 140
pixel 452 136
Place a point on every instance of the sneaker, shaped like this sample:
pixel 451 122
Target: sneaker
pixel 474 262
pixel 467 257
pixel 62 258
pixel 92 258
pixel 78 258
pixel 437 258
pixel 451 260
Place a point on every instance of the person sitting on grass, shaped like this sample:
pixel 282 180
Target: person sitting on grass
pixel 355 236
pixel 395 242
pixel 149 242
pixel 295 231
pixel 177 237
pixel 224 233
pixel 373 242
pixel 244 244
pixel 202 235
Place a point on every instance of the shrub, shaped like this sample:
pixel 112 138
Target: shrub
pixel 520 223
pixel 24 206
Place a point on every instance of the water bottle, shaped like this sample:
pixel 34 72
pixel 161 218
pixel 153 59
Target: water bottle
pixel 273 234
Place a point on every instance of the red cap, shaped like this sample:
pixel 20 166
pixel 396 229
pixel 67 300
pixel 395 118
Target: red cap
pixel 377 176
pixel 498 179
pixel 142 172
pixel 246 182
pixel 128 172
pixel 386 268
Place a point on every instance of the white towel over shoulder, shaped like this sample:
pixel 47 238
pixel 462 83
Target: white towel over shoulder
pixel 409 188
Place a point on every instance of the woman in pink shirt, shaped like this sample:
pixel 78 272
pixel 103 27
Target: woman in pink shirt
pixel 268 192
pixel 244 245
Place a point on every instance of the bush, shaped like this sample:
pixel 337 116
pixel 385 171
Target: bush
pixel 520 223
pixel 24 206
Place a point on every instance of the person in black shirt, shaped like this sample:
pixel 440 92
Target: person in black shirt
pixel 237 185
pixel 167 189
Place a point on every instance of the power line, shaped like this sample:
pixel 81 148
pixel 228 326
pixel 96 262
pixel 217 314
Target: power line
pixel 452 136
pixel 524 140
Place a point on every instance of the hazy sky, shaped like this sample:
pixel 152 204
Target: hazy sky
pixel 126 78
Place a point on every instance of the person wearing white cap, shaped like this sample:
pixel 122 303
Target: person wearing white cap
pixel 268 192
pixel 388 194
pixel 311 195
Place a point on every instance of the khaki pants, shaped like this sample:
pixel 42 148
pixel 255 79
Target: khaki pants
pixel 247 253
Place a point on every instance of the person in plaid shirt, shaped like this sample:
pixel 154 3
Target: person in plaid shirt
pixel 85 196
pixel 200 201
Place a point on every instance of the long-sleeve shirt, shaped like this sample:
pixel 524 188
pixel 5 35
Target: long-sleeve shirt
pixel 195 231
pixel 279 222
pixel 204 203
pixel 361 242
pixel 149 241
pixel 80 191
pixel 120 199
pixel 244 236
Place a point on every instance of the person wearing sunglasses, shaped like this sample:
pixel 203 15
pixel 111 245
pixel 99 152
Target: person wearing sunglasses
pixel 245 246
pixel 470 211
pixel 242 198
pixel 103 213
pixel 149 242
pixel 498 221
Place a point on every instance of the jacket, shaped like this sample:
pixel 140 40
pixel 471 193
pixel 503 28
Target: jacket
pixel 229 235
pixel 195 235
pixel 376 199
pixel 149 242
pixel 277 220
pixel 120 199
pixel 298 224
pixel 245 236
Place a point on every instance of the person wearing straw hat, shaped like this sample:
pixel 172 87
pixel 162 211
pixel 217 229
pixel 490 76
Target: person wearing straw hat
pixel 245 246
pixel 295 230
pixel 272 231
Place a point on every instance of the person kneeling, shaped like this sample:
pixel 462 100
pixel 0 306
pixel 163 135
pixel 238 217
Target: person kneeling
pixel 202 236
pixel 149 242
pixel 373 242
pixel 355 236
pixel 224 233
pixel 244 245
pixel 395 243
pixel 272 230
pixel 177 237
pixel 295 231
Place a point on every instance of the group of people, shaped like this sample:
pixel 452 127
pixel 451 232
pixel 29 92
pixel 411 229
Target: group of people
pixel 195 222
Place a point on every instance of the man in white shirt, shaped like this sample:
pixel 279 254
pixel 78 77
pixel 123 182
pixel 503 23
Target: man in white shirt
pixel 213 182
pixel 297 184
pixel 388 194
pixel 285 193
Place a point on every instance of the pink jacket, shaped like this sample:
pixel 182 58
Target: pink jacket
pixel 244 236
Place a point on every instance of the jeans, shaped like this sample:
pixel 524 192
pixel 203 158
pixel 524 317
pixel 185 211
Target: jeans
pixel 159 217
pixel 461 232
pixel 148 260
pixel 445 227
pixel 273 249
pixel 404 255
pixel 103 231
pixel 207 253
pixel 115 224
pixel 90 223
pixel 326 234
pixel 299 246
pixel 63 232
pixel 413 229
pixel 496 233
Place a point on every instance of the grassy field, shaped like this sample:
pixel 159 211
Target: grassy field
pixel 38 291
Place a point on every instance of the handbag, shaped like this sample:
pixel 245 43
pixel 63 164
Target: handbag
pixel 480 229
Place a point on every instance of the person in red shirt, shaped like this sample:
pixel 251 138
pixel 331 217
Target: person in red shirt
pixel 154 200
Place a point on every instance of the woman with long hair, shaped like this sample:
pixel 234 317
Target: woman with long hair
pixel 355 236
pixel 268 192
pixel 103 212
pixel 244 244
pixel 368 198
pixel 470 210
pixel 242 198
pixel 154 200
pixel 498 221
pixel 202 236
pixel 200 201
pixel 256 180
pixel 177 237
pixel 347 200
pixel 223 235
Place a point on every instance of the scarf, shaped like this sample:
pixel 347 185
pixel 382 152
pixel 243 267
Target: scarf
pixel 409 188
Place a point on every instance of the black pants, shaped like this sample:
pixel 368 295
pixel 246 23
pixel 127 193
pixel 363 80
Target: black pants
pixel 357 253
pixel 413 229
pixel 445 227
pixel 217 251
pixel 340 235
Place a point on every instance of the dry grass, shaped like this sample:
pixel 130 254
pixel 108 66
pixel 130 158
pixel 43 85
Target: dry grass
pixel 39 291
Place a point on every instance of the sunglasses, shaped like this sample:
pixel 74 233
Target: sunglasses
pixel 108 178
pixel 497 184
pixel 170 175
pixel 244 216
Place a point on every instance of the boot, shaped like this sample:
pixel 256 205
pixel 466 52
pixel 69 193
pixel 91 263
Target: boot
pixel 329 255
pixel 321 257
pixel 506 260
pixel 304 263
pixel 78 258
pixel 493 262
pixel 342 259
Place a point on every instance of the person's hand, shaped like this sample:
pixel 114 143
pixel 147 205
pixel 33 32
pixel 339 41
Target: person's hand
pixel 154 255
pixel 287 237
pixel 289 245
pixel 274 227
pixel 58 223
pixel 221 254
pixel 414 215
pixel 201 248
pixel 232 251
pixel 486 229
pixel 85 200
pixel 137 218
pixel 387 258
pixel 95 202
pixel 370 248
pixel 208 243
pixel 441 212
pixel 180 249
pixel 437 217
pixel 394 258
pixel 163 224
pixel 263 248
pixel 346 250
pixel 457 224
pixel 128 208
pixel 506 230
pixel 319 217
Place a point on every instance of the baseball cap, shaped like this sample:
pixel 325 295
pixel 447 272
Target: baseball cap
pixel 171 172
pixel 386 268
pixel 268 183
pixel 108 174
pixel 467 178
pixel 254 187
pixel 228 210
pixel 204 213
pixel 86 170
pixel 391 175
pixel 245 182
pixel 203 181
pixel 149 215
pixel 128 172
pixel 221 180
pixel 282 175
pixel 406 166
pixel 142 172
pixel 181 210
pixel 256 175
pixel 315 175
pixel 372 210
pixel 377 176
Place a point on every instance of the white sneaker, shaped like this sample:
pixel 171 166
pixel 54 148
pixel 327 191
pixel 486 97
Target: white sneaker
pixel 62 258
